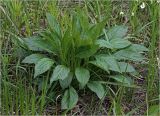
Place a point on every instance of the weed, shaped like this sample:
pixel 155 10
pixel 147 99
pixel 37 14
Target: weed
pixel 72 52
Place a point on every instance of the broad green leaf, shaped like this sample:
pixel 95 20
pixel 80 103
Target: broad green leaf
pixel 30 43
pixel 84 41
pixel 86 51
pixel 53 24
pixel 117 32
pixel 76 26
pixel 122 79
pixel 104 43
pixel 119 43
pixel 67 81
pixel 53 39
pixel 101 64
pixel 69 99
pixel 96 87
pixel 138 48
pixel 33 58
pixel 65 100
pixel 82 75
pixel 66 43
pixel 60 72
pixel 126 67
pixel 73 97
pixel 20 52
pixel 95 31
pixel 39 44
pixel 110 61
pixel 113 43
pixel 83 17
pixel 127 54
pixel 42 66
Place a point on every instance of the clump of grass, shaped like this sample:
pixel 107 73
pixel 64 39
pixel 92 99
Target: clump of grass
pixel 153 65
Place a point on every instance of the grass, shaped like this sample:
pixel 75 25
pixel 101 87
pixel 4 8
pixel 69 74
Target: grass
pixel 19 92
pixel 153 74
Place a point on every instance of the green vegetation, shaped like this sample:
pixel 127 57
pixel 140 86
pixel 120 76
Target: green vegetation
pixel 58 60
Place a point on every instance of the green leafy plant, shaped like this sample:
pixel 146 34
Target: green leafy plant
pixel 70 54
